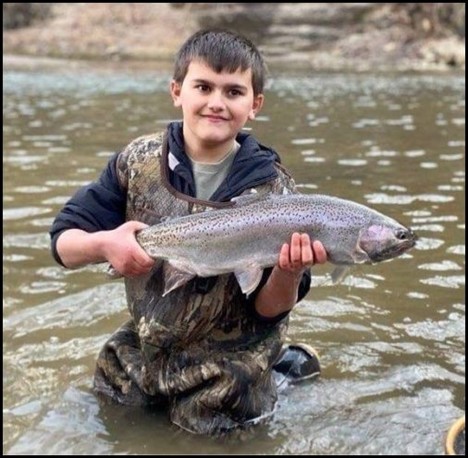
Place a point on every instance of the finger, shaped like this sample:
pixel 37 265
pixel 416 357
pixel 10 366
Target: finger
pixel 144 262
pixel 284 260
pixel 139 259
pixel 136 225
pixel 307 253
pixel 127 270
pixel 320 254
pixel 295 250
pixel 139 255
pixel 136 270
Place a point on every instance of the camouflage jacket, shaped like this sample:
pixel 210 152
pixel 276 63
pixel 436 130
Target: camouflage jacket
pixel 202 351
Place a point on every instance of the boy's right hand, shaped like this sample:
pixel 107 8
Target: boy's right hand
pixel 123 251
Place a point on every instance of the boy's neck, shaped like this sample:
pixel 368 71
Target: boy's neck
pixel 207 154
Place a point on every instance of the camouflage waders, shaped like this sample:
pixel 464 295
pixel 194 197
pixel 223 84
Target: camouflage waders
pixel 203 354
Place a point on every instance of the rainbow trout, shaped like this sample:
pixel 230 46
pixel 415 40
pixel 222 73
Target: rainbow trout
pixel 247 237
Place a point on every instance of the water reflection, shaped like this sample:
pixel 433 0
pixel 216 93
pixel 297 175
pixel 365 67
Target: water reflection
pixel 391 336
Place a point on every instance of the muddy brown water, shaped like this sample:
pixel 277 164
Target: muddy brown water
pixel 391 336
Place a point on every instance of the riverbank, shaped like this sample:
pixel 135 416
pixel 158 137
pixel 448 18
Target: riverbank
pixel 316 36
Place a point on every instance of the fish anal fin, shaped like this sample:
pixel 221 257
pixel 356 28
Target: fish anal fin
pixel 175 275
pixel 339 273
pixel 249 278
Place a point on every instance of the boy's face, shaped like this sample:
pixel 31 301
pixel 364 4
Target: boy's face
pixel 215 106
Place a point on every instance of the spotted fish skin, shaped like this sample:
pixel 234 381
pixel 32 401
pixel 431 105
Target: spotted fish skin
pixel 247 237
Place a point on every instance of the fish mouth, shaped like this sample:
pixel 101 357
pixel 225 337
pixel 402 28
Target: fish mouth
pixel 406 239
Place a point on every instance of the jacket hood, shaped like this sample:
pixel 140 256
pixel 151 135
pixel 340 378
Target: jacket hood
pixel 254 164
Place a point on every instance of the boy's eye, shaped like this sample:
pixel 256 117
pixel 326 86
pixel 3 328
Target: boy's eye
pixel 235 92
pixel 203 87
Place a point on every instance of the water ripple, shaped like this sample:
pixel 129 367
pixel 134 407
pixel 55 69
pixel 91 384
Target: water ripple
pixel 38 241
pixel 404 199
pixel 443 265
pixel 457 249
pixel 392 353
pixel 426 243
pixel 451 281
pixel 38 287
pixel 81 309
pixel 434 330
pixel 23 212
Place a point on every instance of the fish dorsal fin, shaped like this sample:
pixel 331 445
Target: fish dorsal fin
pixel 339 273
pixel 174 276
pixel 167 218
pixel 247 199
pixel 249 278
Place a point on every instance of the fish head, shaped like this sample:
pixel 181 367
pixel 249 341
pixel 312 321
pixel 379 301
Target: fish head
pixel 386 241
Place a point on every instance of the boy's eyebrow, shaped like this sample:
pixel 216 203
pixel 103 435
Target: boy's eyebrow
pixel 210 83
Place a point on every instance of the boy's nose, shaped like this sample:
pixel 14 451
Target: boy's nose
pixel 216 101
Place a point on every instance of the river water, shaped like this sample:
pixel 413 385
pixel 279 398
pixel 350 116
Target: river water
pixel 391 336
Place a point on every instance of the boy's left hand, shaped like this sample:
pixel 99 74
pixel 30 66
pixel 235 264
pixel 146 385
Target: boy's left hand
pixel 280 292
pixel 301 254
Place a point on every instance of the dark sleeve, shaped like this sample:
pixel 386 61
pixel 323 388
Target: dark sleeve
pixel 303 289
pixel 98 206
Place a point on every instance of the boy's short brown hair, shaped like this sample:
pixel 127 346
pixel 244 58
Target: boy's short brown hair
pixel 221 50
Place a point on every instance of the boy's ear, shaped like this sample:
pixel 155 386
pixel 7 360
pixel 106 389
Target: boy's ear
pixel 175 93
pixel 256 106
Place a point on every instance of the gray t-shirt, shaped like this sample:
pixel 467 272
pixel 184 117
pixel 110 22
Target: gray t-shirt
pixel 208 176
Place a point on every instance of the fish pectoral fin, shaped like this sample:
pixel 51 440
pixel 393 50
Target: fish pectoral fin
pixel 360 256
pixel 249 278
pixel 339 273
pixel 175 276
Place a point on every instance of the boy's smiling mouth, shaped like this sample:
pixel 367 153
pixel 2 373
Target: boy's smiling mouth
pixel 214 118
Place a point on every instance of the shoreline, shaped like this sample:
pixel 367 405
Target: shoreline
pixel 12 61
pixel 150 34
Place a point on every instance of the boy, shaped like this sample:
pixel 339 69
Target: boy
pixel 205 350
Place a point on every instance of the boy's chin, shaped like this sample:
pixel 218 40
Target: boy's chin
pixel 211 139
